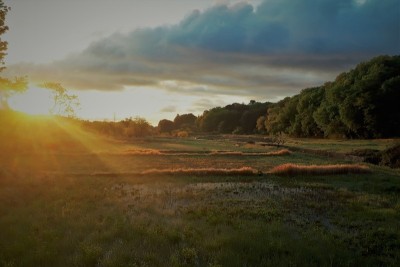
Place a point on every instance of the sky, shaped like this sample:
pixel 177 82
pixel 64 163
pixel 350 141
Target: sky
pixel 156 59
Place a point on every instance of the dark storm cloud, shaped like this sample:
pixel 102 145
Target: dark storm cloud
pixel 275 48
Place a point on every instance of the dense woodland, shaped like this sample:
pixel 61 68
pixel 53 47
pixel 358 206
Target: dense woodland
pixel 361 103
pixel 235 118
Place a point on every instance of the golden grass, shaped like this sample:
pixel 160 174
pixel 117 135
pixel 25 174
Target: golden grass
pixel 142 152
pixel 243 171
pixel 202 171
pixel 153 152
pixel 281 152
pixel 294 169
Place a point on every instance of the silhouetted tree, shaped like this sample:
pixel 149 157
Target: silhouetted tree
pixel 185 121
pixel 64 103
pixel 3 28
pixel 235 118
pixel 7 86
pixel 166 126
pixel 127 128
pixel 260 125
pixel 387 107
pixel 141 127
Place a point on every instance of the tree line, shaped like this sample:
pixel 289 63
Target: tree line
pixel 124 129
pixel 361 103
pixel 235 118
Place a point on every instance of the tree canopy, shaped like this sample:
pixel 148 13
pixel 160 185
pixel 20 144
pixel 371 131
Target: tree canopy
pixel 7 86
pixel 361 103
pixel 234 118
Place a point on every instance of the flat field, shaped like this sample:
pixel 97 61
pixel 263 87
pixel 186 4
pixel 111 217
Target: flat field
pixel 68 198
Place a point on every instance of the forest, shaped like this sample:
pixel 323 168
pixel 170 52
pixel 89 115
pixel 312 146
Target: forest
pixel 361 103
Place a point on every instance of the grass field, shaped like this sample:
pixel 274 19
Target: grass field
pixel 68 198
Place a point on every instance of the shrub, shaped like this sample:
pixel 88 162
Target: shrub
pixel 294 169
pixel 182 134
pixel 368 155
pixel 391 157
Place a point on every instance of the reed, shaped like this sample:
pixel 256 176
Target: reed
pixel 294 169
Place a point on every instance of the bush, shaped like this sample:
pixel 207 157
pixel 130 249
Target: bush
pixel 294 169
pixel 391 157
pixel 182 134
pixel 369 155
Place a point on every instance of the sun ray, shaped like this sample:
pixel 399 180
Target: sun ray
pixel 90 143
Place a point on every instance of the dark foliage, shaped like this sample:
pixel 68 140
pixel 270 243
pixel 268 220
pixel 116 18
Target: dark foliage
pixel 389 157
pixel 7 86
pixel 128 128
pixel 186 122
pixel 166 126
pixel 235 118
pixel 368 155
pixel 361 103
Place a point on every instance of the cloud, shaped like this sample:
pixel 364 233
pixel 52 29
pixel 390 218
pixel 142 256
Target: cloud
pixel 168 109
pixel 202 104
pixel 275 48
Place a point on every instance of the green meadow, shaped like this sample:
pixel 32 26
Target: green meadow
pixel 70 198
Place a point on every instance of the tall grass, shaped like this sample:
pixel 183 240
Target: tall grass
pixel 142 152
pixel 281 152
pixel 152 152
pixel 202 171
pixel 243 171
pixel 294 169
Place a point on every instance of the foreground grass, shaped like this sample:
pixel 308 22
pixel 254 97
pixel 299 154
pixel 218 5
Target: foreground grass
pixel 49 216
pixel 197 221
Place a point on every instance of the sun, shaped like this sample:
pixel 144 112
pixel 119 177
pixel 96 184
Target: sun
pixel 34 101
